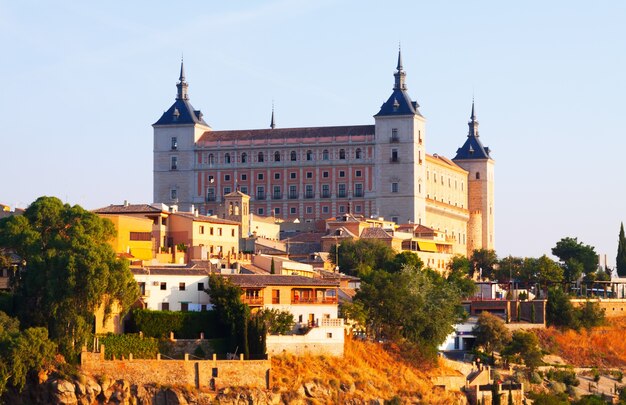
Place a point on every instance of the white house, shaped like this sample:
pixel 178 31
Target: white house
pixel 173 288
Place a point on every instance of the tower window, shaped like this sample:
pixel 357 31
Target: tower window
pixel 260 157
pixel 277 156
pixel 357 154
pixel 227 158
pixel 174 163
pixel 173 194
pixel 293 155
pixel 394 187
pixel 477 175
pixel 394 135
pixel 309 155
pixel 342 153
pixel 174 143
pixel 244 157
pixel 394 155
pixel 325 155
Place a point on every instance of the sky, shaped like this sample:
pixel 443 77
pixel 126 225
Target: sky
pixel 83 83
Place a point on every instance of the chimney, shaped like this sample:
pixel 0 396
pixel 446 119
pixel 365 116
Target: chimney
pixel 195 213
pixel 126 204
pixel 193 208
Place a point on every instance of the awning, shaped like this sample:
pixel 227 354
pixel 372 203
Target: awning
pixel 427 246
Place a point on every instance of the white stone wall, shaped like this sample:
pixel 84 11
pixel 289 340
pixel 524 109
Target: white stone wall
pixel 302 312
pixel 154 296
pixel 326 340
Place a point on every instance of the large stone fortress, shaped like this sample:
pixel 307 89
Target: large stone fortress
pixel 312 173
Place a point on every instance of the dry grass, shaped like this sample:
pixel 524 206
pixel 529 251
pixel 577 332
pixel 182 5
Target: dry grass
pixel 375 371
pixel 604 346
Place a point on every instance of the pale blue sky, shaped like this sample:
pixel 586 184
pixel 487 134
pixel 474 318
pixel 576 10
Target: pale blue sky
pixel 82 83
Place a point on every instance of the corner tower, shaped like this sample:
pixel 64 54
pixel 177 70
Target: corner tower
pixel 175 136
pixel 400 155
pixel 476 159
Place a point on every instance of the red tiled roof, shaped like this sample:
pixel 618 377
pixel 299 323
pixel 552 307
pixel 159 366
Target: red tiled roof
pixel 126 209
pixel 375 233
pixel 263 280
pixel 314 237
pixel 204 218
pixel 278 133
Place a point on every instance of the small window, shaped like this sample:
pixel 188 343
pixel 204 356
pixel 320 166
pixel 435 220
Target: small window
pixel 357 154
pixel 163 286
pixel 227 190
pixel 219 231
pixel 309 155
pixel 174 163
pixel 260 157
pixel 200 286
pixel 244 157
pixel 342 173
pixel 201 230
pixel 292 175
pixel 227 158
pixel 477 175
pixel 173 194
pixel 165 306
pixel 276 176
pixel 394 219
pixel 342 154
pixel 211 159
pixel 260 211
pixel 181 286
pixel 227 177
pixel 394 155
pixel 325 209
pixel 357 209
pixel 292 210
pixel 329 335
pixel 325 175
pixel 309 175
pixel 357 173
pixel 232 233
pixel 342 209
pixel 174 143
pixel 244 189
pixel 184 306
pixel 244 177
pixel 277 156
pixel 259 176
pixel 394 187
pixel 309 210
pixel 325 154
pixel 276 211
pixel 211 231
pixel 293 156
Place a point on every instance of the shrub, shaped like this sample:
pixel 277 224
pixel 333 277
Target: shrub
pixel 185 325
pixel 567 377
pixel 123 345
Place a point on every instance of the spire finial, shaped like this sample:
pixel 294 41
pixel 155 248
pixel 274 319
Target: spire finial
pixel 473 124
pixel 272 122
pixel 400 74
pixel 182 84
pixel 473 116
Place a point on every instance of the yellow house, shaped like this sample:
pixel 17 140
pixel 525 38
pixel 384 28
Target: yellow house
pixel 217 237
pixel 134 236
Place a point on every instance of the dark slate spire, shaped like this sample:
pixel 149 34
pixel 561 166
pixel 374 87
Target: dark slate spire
pixel 272 122
pixel 182 84
pixel 181 112
pixel 399 103
pixel 472 148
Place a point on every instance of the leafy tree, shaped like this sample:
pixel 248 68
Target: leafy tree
pixel 360 257
pixel 559 310
pixel 484 262
pixel 273 267
pixel 415 305
pixel 70 270
pixel 569 251
pixel 491 332
pixel 403 259
pixel 233 313
pixel 526 345
pixel 548 271
pixel 620 260
pixel 509 267
pixel 591 315
pixel 458 276
pixel 276 322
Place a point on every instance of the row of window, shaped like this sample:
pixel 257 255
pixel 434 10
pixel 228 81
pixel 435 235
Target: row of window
pixel 212 231
pixel 163 286
pixel 442 180
pixel 276 192
pixel 309 155
pixel 309 210
pixel 292 175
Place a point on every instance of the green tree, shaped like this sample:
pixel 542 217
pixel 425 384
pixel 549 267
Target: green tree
pixel 484 263
pixel 360 257
pixel 273 267
pixel 403 259
pixel 70 270
pixel 591 315
pixel 559 310
pixel 491 332
pixel 569 251
pixel 458 276
pixel 233 313
pixel 620 260
pixel 508 268
pixel 526 345
pixel 276 322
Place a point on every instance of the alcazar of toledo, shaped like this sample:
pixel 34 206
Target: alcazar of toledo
pixel 312 173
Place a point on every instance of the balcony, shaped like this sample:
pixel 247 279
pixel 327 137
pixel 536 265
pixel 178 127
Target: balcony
pixel 394 159
pixel 293 196
pixel 277 196
pixel 252 300
pixel 358 193
pixel 260 196
pixel 325 194
pixel 309 194
pixel 394 139
pixel 313 300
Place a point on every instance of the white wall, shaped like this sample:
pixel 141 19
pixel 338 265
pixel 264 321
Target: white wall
pixel 327 340
pixel 172 294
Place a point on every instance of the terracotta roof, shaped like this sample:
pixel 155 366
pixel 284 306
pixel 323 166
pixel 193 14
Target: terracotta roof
pixel 204 218
pixel 126 209
pixel 416 228
pixel 332 275
pixel 375 233
pixel 252 269
pixel 340 233
pixel 445 160
pixel 259 280
pixel 278 133
pixel 308 237
pixel 169 271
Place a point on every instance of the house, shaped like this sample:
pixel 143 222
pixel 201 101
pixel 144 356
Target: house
pixel 134 236
pixel 173 288
pixel 204 236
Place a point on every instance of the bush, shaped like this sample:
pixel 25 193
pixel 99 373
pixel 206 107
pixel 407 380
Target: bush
pixel 567 377
pixel 123 345
pixel 185 325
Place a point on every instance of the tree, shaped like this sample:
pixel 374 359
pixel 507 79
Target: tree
pixel 70 270
pixel 560 311
pixel 484 262
pixel 491 332
pixel 526 345
pixel 570 251
pixel 273 267
pixel 620 260
pixel 233 313
pixel 509 268
pixel 360 257
pixel 277 322
pixel 458 276
pixel 403 259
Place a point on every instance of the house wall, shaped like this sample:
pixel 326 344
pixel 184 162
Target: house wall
pixel 323 340
pixel 225 237
pixel 124 224
pixel 172 294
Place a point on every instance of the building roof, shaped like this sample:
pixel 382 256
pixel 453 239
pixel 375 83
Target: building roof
pixel 264 280
pixel 285 133
pixel 472 148
pixel 339 233
pixel 169 271
pixel 305 237
pixel 375 233
pixel 129 209
pixel 399 103
pixel 204 218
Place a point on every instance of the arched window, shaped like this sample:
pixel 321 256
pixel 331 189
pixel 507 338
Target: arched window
pixel 260 158
pixel 357 154
pixel 342 153
pixel 309 155
pixel 293 156
pixel 227 158
pixel 244 157
pixel 477 175
pixel 211 159
pixel 277 156
pixel 325 154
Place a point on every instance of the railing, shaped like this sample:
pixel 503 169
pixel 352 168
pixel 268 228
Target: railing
pixel 277 196
pixel 332 322
pixel 252 300
pixel 260 196
pixel 309 195
pixel 394 160
pixel 358 193
pixel 293 196
pixel 315 300
pixel 325 194
pixel 394 139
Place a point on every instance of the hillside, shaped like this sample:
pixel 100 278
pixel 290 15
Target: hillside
pixel 600 347
pixel 367 371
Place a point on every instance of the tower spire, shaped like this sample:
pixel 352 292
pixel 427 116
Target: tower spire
pixel 182 84
pixel 272 122
pixel 400 74
pixel 472 124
